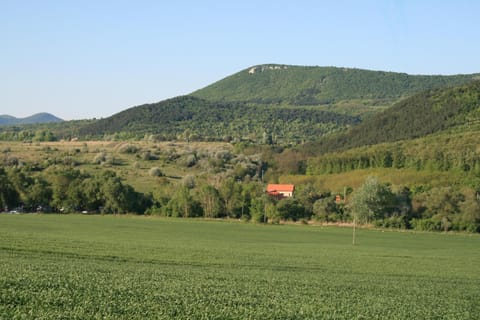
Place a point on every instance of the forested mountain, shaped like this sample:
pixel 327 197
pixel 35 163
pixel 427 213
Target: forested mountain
pixel 285 104
pixel 422 114
pixel 36 118
pixel 282 104
pixel 198 119
pixel 301 86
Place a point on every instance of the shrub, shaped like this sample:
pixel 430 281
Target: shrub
pixel 111 160
pixel 11 161
pixel 99 158
pixel 156 172
pixel 136 165
pixel 189 181
pixel 128 148
pixel 426 225
pixel 223 155
pixel 147 156
pixel 70 161
pixel 190 160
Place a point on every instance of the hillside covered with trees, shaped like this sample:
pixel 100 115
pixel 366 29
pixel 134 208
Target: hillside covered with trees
pixel 313 86
pixel 265 104
pixel 195 119
pixel 420 115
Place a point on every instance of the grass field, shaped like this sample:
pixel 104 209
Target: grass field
pixel 110 267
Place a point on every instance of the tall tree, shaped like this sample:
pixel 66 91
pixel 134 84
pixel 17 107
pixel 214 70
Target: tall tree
pixel 9 196
pixel 181 204
pixel 372 200
pixel 231 194
pixel 209 198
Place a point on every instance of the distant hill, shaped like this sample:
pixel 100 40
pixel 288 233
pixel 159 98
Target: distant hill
pixel 316 86
pixel 36 118
pixel 420 115
pixel 199 119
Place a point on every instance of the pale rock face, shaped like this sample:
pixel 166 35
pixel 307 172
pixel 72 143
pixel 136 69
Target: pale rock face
pixel 254 70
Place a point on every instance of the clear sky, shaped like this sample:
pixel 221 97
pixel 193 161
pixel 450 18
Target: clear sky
pixel 93 58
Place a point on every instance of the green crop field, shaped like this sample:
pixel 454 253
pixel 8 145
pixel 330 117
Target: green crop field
pixel 111 267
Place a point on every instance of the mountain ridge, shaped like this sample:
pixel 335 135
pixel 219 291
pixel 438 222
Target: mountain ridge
pixel 42 117
pixel 323 86
pixel 277 100
pixel 271 102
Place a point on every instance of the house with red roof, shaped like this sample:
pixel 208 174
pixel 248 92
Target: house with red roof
pixel 280 190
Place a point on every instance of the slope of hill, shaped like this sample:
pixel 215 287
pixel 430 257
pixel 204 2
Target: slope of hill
pixel 288 103
pixel 6 119
pixel 456 150
pixel 302 86
pixel 199 119
pixel 422 114
pixel 36 118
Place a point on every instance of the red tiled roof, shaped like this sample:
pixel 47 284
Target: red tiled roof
pixel 280 188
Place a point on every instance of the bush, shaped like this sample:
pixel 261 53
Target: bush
pixel 11 161
pixel 426 225
pixel 111 160
pixel 136 165
pixel 325 209
pixel 290 209
pixel 223 155
pixel 189 181
pixel 154 210
pixel 99 158
pixel 190 160
pixel 128 148
pixel 148 156
pixel 156 172
pixel 395 222
pixel 70 161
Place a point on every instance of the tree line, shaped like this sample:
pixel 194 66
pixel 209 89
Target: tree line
pixel 434 209
pixel 433 159
pixel 69 190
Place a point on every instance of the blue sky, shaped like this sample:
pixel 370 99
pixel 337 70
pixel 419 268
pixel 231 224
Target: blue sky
pixel 86 59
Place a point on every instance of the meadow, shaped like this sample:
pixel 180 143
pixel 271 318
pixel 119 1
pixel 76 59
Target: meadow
pixel 131 161
pixel 128 267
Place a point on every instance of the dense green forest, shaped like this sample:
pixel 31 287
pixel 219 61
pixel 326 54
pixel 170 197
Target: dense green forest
pixel 194 119
pixel 451 151
pixel 422 114
pixel 298 85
